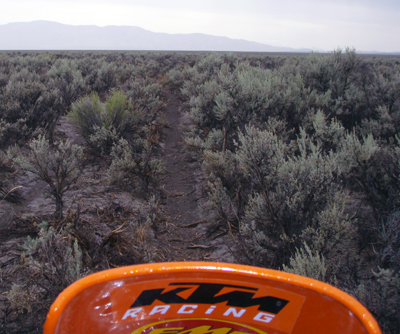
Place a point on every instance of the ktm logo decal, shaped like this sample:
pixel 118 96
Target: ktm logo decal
pixel 210 293
pixel 205 300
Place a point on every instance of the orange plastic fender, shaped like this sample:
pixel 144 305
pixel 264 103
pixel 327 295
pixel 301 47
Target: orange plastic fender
pixel 204 298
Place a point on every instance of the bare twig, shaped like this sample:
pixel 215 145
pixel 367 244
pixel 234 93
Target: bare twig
pixel 8 193
pixel 200 246
pixel 193 224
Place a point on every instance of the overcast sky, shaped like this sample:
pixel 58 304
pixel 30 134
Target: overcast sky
pixel 366 25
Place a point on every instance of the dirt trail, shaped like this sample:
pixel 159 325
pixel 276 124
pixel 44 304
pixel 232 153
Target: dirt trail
pixel 185 234
pixel 181 184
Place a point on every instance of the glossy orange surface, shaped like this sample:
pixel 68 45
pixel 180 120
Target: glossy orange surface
pixel 204 298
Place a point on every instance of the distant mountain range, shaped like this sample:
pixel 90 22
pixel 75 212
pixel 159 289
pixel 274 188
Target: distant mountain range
pixel 46 35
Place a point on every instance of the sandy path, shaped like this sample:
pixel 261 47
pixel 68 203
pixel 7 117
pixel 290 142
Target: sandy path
pixel 185 233
pixel 181 184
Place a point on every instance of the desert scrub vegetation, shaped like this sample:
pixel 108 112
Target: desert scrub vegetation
pixel 133 166
pixel 115 101
pixel 63 251
pixel 300 155
pixel 117 129
pixel 102 124
pixel 59 167
pixel 27 107
pixel 54 261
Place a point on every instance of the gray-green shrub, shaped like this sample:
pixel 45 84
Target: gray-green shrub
pixel 58 166
pixel 102 124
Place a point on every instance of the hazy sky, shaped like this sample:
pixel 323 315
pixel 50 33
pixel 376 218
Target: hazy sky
pixel 367 25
